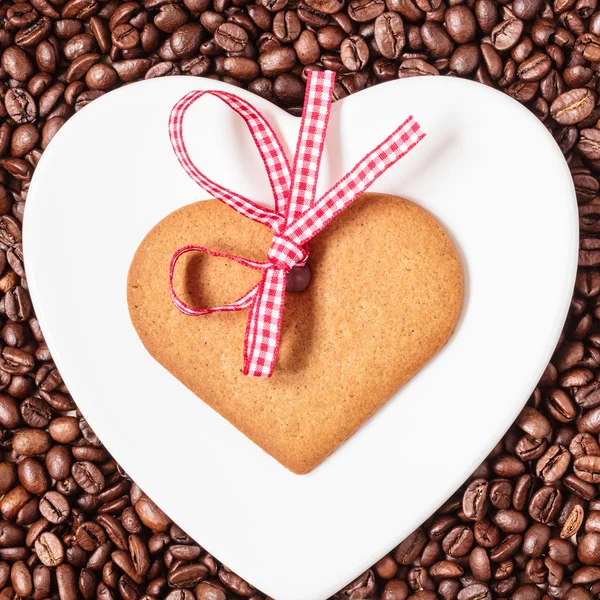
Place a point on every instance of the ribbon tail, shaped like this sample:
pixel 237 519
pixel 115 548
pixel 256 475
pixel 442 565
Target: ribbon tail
pixel 264 324
pixel 311 138
pixel 364 173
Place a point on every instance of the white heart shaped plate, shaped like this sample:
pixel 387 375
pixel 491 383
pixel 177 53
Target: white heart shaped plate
pixel 488 170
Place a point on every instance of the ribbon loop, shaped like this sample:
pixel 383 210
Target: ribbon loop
pixel 297 217
pixel 265 140
pixel 245 301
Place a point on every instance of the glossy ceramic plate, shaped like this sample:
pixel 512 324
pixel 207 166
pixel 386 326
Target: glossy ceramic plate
pixel 488 170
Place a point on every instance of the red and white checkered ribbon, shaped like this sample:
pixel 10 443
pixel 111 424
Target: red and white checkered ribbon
pixel 297 217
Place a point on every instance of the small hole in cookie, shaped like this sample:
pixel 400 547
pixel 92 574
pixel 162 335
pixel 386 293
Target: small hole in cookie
pixel 298 279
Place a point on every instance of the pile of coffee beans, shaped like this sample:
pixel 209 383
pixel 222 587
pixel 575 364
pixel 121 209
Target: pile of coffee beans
pixel 72 524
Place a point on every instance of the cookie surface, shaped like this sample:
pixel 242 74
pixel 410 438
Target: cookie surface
pixel 385 295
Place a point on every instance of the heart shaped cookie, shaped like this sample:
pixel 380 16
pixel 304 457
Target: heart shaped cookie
pixel 385 295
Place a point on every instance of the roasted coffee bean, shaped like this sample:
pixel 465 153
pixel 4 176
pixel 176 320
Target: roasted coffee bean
pixel 151 515
pixel 389 34
pixel 238 586
pixel 475 499
pixel 486 13
pixel 354 53
pixel 21 14
pixel 573 522
pixel 58 462
pixel 54 507
pixel 277 61
pixel 501 492
pixel 33 476
pixel 16 301
pixel 67 582
pixel 365 10
pixel 534 68
pixel 185 41
pixel 90 536
pixel 190 575
pixel 579 487
pixel 446 569
pixel 573 106
pixel 508 466
pixel 588 549
pixel 409 549
pixel 544 505
pixel 11 535
pixel 101 77
pixel 88 477
pixel 588 45
pixel 33 34
pixel 510 521
pixel 114 530
pixel 592 520
pixel 505 549
pixel 479 564
pixel 590 422
pixel 464 60
pixel 21 579
pixel 8 476
pixel 588 396
pixel 330 37
pixel 436 39
pixel 84 452
pixel 170 17
pixel 534 423
pixel 522 491
pixel 231 37
pixel 127 70
pixel 553 464
pixel 535 540
pixel 415 67
pixel 460 23
pixel 9 412
pixel 523 91
pixel 587 468
pixel 562 551
pixel 79 45
pixel 458 541
pixel 529 448
pixel 17 64
pixel 560 406
pixel 20 106
pixel 42 581
pixel 506 34
pixel 64 430
pixel 307 48
pixel 522 51
pixel 586 187
pixel 80 66
pixel 87 584
pixel 49 549
pixel 286 26
pixel 31 442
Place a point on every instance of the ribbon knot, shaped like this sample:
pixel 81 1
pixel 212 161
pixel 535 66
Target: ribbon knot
pixel 297 217
pixel 286 254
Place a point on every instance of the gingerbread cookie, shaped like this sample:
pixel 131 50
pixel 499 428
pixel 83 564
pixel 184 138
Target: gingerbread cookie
pixel 385 296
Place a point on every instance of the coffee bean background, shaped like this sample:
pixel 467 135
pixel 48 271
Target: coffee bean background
pixel 72 524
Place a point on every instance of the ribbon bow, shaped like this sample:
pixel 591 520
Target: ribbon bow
pixel 297 217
